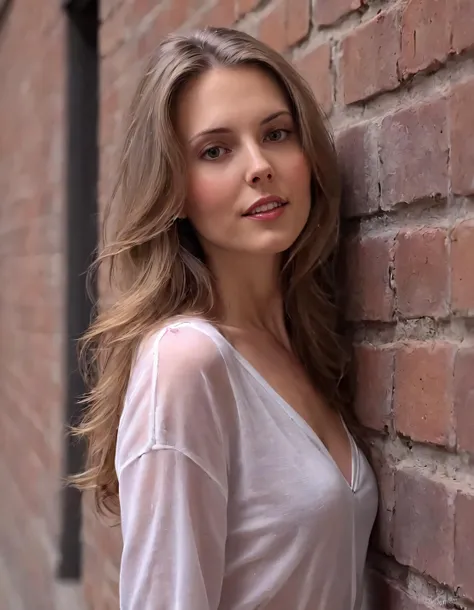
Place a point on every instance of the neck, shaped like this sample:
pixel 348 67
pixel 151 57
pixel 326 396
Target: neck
pixel 249 292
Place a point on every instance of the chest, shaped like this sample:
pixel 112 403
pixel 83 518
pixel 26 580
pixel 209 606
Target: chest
pixel 284 484
pixel 288 382
pixel 286 376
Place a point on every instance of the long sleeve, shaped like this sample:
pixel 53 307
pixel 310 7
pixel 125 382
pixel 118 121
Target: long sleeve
pixel 172 459
pixel 174 531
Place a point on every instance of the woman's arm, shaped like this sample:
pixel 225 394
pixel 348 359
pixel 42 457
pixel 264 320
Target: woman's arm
pixel 174 532
pixel 172 460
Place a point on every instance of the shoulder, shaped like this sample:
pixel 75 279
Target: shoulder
pixel 182 348
pixel 179 377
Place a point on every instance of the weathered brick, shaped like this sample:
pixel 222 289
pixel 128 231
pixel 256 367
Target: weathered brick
pixel 114 31
pixel 108 124
pixel 272 27
pixel 373 400
pixel 461 119
pixel 222 14
pixel 414 154
pixel 367 272
pixel 106 8
pixel 422 273
pixel 245 6
pixel 464 544
pixel 358 160
pixel 33 71
pixel 423 527
pixel 138 9
pixel 425 35
pixel 298 20
pixel 327 12
pixel 423 401
pixel 461 18
pixel 464 398
pixel 462 284
pixel 160 25
pixel 369 58
pixel 315 67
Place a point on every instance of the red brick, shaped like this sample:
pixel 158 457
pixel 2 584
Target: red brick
pixel 106 7
pixel 423 400
pixel 464 398
pixel 315 67
pixel 113 31
pixel 221 14
pixel 298 19
pixel 108 123
pixel 169 18
pixel 33 70
pixel 461 17
pixel 461 120
pixel 272 27
pixel 424 525
pixel 373 399
pixel 245 6
pixel 414 154
pixel 464 545
pixel 425 35
pixel 138 9
pixel 422 273
pixel 367 272
pixel 462 275
pixel 147 41
pixel 327 12
pixel 358 160
pixel 369 58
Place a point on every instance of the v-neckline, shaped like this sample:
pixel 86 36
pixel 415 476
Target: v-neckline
pixel 297 418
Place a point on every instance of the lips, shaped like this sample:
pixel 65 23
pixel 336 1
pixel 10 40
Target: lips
pixel 265 204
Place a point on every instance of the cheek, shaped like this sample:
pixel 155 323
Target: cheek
pixel 207 193
pixel 298 172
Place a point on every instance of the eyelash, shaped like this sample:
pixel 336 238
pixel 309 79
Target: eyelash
pixel 287 132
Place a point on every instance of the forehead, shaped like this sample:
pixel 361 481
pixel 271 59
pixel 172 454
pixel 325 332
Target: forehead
pixel 227 97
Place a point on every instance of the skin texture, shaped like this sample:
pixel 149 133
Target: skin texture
pixel 229 171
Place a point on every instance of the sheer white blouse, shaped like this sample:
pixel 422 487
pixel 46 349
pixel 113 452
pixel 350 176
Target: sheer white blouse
pixel 229 500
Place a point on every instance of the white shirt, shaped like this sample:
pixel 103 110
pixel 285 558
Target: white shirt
pixel 229 500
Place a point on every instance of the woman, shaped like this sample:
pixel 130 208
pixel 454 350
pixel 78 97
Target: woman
pixel 215 417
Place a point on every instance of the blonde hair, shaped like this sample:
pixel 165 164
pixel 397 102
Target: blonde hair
pixel 155 265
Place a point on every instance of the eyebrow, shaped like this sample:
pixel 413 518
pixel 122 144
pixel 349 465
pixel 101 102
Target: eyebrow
pixel 217 130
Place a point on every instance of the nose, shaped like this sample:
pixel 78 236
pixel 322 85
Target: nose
pixel 259 169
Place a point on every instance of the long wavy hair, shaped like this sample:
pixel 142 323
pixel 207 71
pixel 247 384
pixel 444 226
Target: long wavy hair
pixel 156 269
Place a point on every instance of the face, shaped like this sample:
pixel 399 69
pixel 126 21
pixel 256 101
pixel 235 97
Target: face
pixel 243 151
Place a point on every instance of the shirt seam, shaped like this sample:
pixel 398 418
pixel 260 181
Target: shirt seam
pixel 186 454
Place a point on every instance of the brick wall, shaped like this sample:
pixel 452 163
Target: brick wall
pixel 31 301
pixel 396 78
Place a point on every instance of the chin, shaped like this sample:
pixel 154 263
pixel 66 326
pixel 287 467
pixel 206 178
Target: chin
pixel 275 244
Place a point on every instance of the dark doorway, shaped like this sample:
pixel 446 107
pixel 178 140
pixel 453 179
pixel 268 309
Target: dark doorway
pixel 82 91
